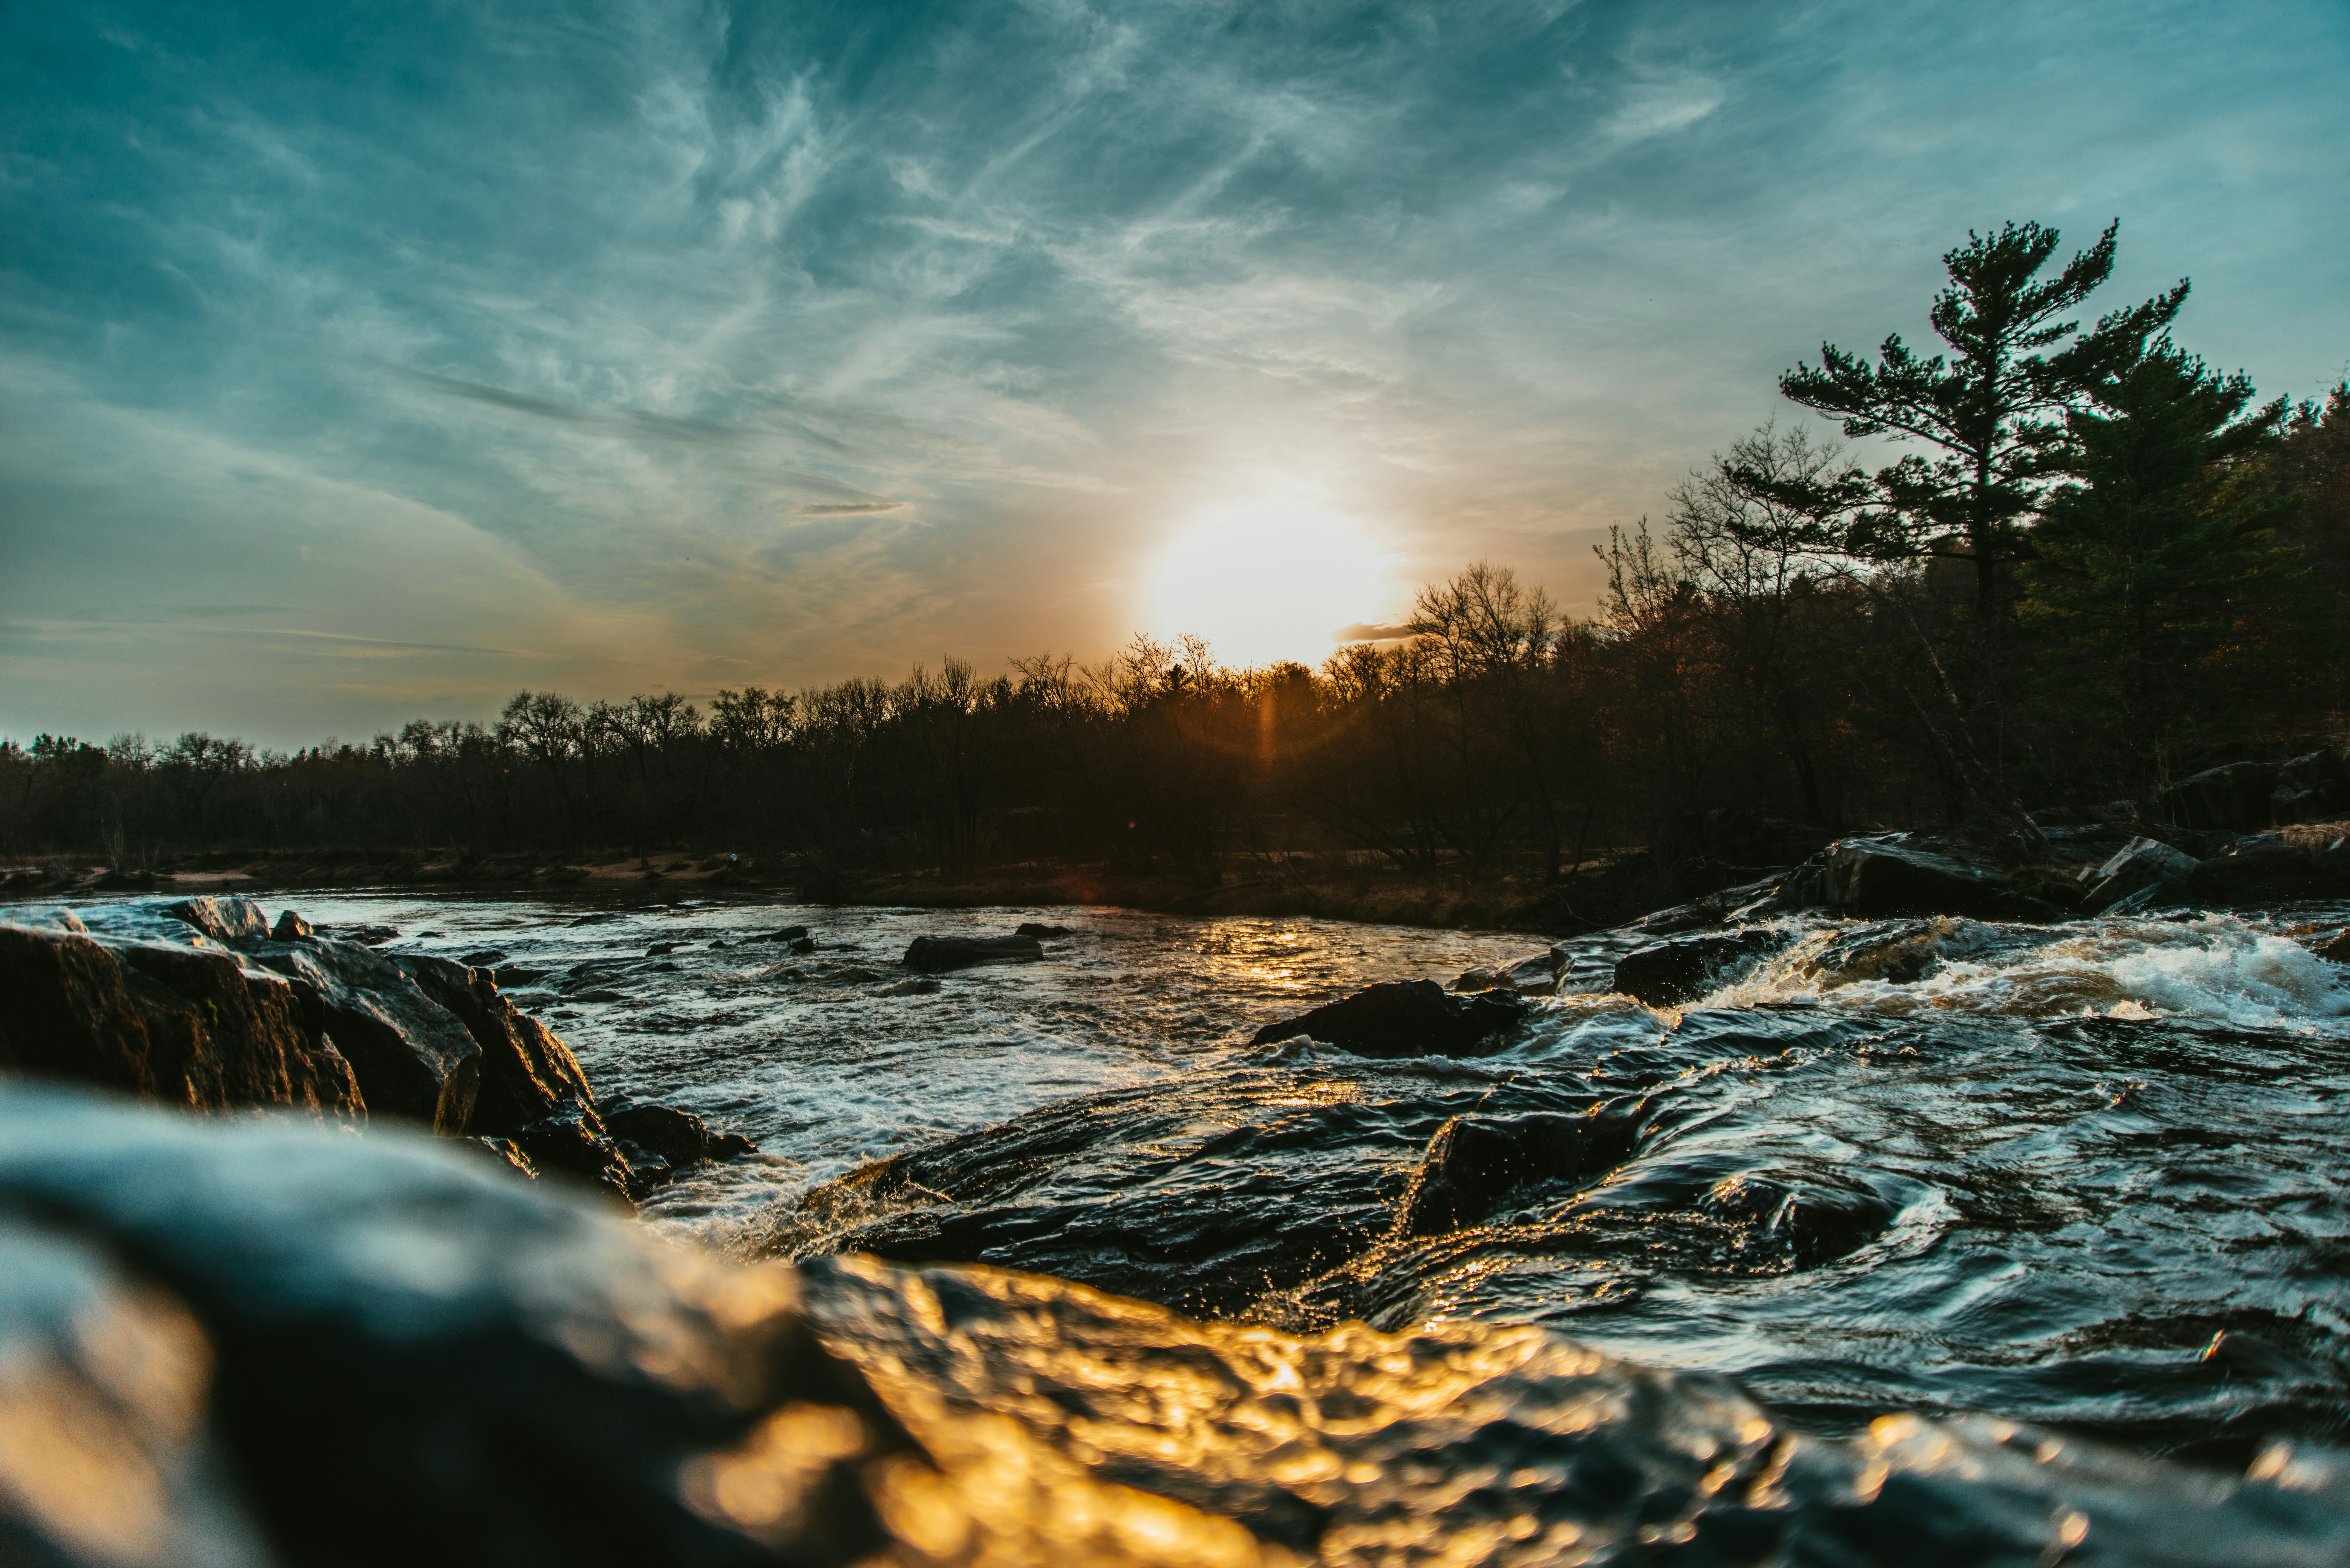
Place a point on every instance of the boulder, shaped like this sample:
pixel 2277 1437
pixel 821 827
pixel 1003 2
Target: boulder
pixel 2237 796
pixel 290 928
pixel 573 1141
pixel 1667 973
pixel 232 922
pixel 1473 1162
pixel 2264 871
pixel 1400 1018
pixel 1875 878
pixel 526 1070
pixel 413 1058
pixel 2141 862
pixel 680 1137
pixel 934 955
pixel 1039 930
pixel 186 1026
pixel 2311 788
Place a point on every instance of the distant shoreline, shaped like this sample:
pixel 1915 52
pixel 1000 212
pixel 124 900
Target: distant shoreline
pixel 1252 886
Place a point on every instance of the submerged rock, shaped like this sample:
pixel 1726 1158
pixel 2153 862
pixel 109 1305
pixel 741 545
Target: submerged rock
pixel 1537 974
pixel 933 955
pixel 1407 1018
pixel 258 1345
pixel 1474 1162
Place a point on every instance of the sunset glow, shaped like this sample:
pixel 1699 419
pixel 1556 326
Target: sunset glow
pixel 1269 580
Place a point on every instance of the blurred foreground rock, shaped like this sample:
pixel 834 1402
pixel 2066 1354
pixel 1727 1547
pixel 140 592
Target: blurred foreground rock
pixel 258 1343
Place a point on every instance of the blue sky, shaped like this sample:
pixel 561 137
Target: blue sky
pixel 364 363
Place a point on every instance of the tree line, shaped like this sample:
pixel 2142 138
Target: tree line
pixel 2091 565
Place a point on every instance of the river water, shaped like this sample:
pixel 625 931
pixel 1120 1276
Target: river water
pixel 2090 1176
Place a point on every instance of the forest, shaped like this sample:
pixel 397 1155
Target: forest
pixel 2094 564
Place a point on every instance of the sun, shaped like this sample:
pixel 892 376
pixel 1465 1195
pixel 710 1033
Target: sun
pixel 1267 580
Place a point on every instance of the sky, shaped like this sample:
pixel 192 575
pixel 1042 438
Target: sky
pixel 366 363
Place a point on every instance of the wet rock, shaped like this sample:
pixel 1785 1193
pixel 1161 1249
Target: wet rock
pixel 919 987
pixel 2155 898
pixel 1039 930
pixel 484 958
pixel 801 945
pixel 1891 953
pixel 412 1057
pixel 2141 862
pixel 2336 949
pixel 249 1345
pixel 231 921
pixel 366 936
pixel 680 1137
pixel 1876 878
pixel 1534 975
pixel 788 934
pixel 1667 973
pixel 526 1070
pixel 2264 871
pixel 505 1152
pixel 1808 1224
pixel 1407 1018
pixel 2237 798
pixel 573 1141
pixel 1473 1162
pixel 933 955
pixel 656 948
pixel 185 1026
pixel 290 928
pixel 2311 788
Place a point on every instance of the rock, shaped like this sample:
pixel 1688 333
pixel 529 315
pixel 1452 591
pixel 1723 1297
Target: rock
pixel 2141 862
pixel 1473 1162
pixel 933 955
pixel 1711 909
pixel 803 945
pixel 484 958
pixel 1666 973
pixel 1039 930
pixel 2263 872
pixel 2237 798
pixel 290 928
pixel 923 986
pixel 505 1152
pixel 1876 878
pixel 679 1137
pixel 656 948
pixel 1407 1018
pixel 1534 975
pixel 1890 953
pixel 366 936
pixel 573 1141
pixel 412 1057
pixel 2155 898
pixel 788 934
pixel 2336 950
pixel 2311 788
pixel 249 1345
pixel 185 1026
pixel 526 1070
pixel 231 921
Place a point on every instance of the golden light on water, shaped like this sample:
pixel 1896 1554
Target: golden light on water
pixel 1268 579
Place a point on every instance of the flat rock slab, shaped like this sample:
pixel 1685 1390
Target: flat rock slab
pixel 933 955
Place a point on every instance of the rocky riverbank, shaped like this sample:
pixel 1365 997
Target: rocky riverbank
pixel 205 1005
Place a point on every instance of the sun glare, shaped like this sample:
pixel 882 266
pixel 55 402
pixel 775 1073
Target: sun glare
pixel 1268 580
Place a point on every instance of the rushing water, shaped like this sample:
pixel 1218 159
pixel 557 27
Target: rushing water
pixel 2088 1174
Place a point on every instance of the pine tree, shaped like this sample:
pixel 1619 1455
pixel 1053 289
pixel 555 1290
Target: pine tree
pixel 1993 410
pixel 2173 615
